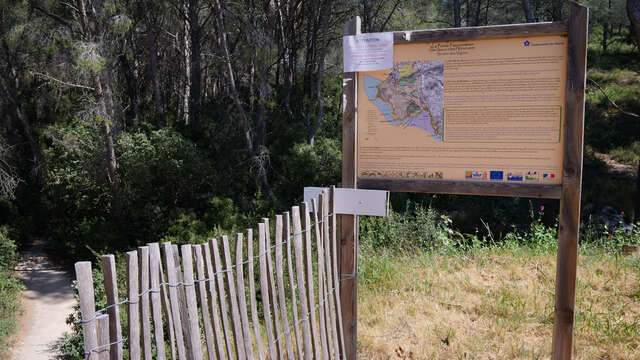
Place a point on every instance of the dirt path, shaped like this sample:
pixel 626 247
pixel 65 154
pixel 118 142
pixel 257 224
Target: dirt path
pixel 616 168
pixel 48 300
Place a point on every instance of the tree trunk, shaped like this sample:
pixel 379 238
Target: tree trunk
pixel 325 13
pixel 486 13
pixel 366 16
pixel 477 14
pixel 556 10
pixel 287 56
pixel 637 207
pixel 605 36
pixel 102 85
pixel 196 69
pixel 633 11
pixel 186 56
pixel 528 14
pixel 244 120
pixel 467 14
pixel 153 64
pixel 457 21
pixel 130 73
pixel 105 109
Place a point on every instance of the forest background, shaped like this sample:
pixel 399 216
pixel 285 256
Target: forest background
pixel 127 122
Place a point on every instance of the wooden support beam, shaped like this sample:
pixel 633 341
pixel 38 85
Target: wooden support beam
pixel 348 255
pixel 571 184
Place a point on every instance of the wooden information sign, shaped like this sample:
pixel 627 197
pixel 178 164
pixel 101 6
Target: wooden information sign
pixel 495 110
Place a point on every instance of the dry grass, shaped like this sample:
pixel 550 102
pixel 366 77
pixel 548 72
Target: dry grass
pixel 493 304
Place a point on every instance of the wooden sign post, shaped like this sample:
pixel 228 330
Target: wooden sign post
pixel 369 165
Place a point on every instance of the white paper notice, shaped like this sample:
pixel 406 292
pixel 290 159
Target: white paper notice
pixel 368 52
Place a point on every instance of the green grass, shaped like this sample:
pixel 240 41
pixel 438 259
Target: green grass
pixel 629 155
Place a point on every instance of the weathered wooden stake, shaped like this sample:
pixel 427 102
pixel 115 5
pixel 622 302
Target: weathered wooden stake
pixel 111 290
pixel 87 307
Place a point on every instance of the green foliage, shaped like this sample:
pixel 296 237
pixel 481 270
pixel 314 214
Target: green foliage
pixel 538 237
pixel 418 227
pixel 163 176
pixel 317 165
pixel 10 287
pixel 8 249
pixel 629 155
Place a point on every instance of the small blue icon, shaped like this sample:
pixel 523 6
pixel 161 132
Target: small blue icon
pixel 496 175
pixel 527 43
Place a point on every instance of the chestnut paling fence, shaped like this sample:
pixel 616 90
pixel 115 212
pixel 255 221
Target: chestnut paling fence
pixel 205 301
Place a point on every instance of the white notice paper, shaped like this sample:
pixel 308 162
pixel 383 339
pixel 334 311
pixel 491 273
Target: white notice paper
pixel 368 52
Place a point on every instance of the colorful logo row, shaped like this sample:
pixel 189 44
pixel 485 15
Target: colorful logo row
pixel 499 175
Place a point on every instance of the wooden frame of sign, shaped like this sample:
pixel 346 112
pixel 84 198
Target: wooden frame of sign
pixel 568 192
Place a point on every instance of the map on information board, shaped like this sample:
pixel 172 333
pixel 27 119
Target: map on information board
pixel 411 95
pixel 486 110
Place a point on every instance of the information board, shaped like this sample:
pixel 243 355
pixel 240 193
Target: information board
pixel 485 111
pixel 480 110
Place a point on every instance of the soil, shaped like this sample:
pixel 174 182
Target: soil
pixel 48 300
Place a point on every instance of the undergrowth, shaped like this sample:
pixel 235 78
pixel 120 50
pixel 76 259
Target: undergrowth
pixel 10 287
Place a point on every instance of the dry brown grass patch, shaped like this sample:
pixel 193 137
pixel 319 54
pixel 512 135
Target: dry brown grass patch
pixel 496 304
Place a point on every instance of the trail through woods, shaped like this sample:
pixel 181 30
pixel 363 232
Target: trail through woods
pixel 47 302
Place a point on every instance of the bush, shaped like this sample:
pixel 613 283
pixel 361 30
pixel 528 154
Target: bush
pixel 418 227
pixel 10 287
pixel 164 177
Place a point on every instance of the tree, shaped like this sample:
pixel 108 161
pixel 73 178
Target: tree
pixel 456 13
pixel 528 14
pixel 633 11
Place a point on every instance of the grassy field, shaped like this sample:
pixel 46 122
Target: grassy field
pixel 494 303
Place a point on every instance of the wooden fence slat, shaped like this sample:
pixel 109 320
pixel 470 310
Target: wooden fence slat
pixel 156 306
pixel 321 302
pixel 273 297
pixel 204 302
pixel 192 303
pixel 281 297
pixel 143 261
pixel 154 249
pixel 297 241
pixel 264 289
pixel 252 295
pixel 172 279
pixel 326 239
pixel 292 285
pixel 315 337
pixel 133 309
pixel 213 243
pixel 235 312
pixel 182 301
pixel 336 279
pixel 221 345
pixel 111 290
pixel 242 299
pixel 87 307
pixel 104 328
pixel 322 209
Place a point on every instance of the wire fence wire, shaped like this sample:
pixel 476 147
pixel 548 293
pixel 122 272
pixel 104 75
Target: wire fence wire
pixel 165 284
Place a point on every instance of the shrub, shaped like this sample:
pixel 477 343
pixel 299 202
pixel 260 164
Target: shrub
pixel 10 287
pixel 418 227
